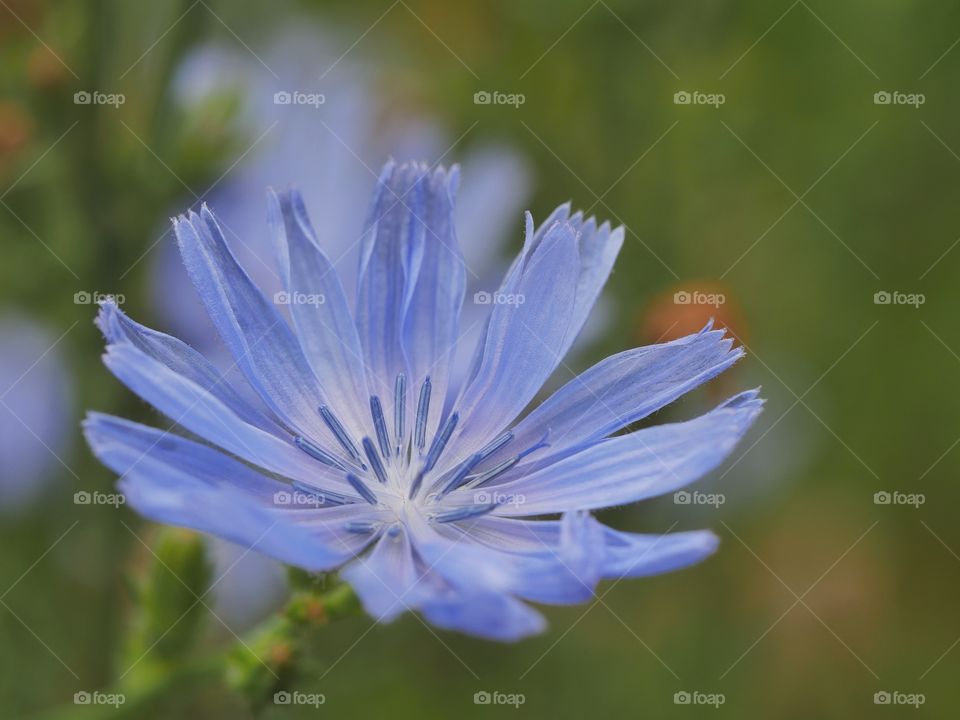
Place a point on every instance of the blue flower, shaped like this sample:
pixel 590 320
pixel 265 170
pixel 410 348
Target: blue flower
pixel 354 450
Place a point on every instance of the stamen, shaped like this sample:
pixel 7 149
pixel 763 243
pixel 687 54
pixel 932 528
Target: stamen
pixel 339 432
pixel 399 408
pixel 493 472
pixel 380 424
pixel 497 443
pixel 463 513
pixel 423 407
pixel 415 487
pixel 440 442
pixel 357 526
pixel 325 497
pixel 374 459
pixel 318 453
pixel 361 488
pixel 460 475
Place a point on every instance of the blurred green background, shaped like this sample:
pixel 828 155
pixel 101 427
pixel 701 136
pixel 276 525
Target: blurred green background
pixel 798 198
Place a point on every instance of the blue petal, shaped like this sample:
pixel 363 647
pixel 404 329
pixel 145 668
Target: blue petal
pixel 176 481
pixel 390 257
pixel 261 342
pixel 181 359
pixel 522 343
pixel 385 579
pixel 319 308
pixel 616 392
pixel 490 615
pixel 625 554
pixel 598 249
pixel 643 464
pixel 201 413
pixel 431 324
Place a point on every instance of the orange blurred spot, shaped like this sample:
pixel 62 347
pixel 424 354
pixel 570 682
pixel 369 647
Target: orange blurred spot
pixel 687 308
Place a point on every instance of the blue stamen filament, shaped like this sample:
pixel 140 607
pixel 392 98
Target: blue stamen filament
pixel 464 513
pixel 374 459
pixel 423 408
pixel 340 433
pixel 318 453
pixel 399 409
pixel 380 424
pixel 362 489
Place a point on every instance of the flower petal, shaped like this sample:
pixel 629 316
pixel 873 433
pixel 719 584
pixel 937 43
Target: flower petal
pixel 616 392
pixel 200 412
pixel 319 308
pixel 431 324
pixel 522 342
pixel 385 579
pixel 173 480
pixel 261 342
pixel 181 359
pixel 625 469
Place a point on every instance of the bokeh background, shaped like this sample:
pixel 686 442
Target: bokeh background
pixel 786 189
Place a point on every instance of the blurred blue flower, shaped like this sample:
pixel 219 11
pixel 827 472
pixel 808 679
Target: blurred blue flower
pixel 358 452
pixel 36 409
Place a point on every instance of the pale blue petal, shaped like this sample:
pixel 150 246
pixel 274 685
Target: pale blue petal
pixel 261 342
pixel 643 464
pixel 173 480
pixel 319 309
pixel 614 393
pixel 522 343
pixel 182 360
pixel 385 579
pixel 192 407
